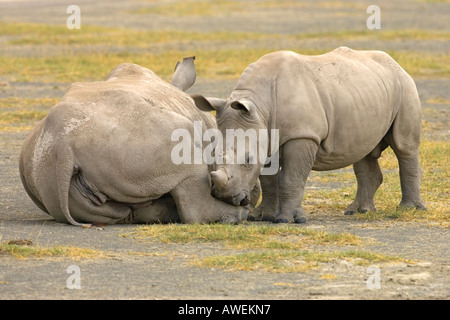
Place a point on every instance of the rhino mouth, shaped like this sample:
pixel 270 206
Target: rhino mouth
pixel 240 199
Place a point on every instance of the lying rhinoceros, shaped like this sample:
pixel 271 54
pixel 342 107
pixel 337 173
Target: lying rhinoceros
pixel 332 110
pixel 103 153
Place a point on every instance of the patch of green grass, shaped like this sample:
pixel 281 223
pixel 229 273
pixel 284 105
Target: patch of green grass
pixel 270 261
pixel 96 66
pixel 245 236
pixel 68 65
pixel 421 64
pixel 293 4
pixel 438 100
pixel 265 247
pixel 21 117
pixel 19 33
pixel 194 8
pixel 283 261
pixel 212 64
pixel 14 103
pixel 22 113
pixel 43 34
pixel 382 35
pixel 227 7
pixel 24 252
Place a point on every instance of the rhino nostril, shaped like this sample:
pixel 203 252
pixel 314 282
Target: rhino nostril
pixel 244 202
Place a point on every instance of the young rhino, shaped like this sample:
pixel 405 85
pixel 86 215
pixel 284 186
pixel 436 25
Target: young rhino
pixel 103 153
pixel 332 110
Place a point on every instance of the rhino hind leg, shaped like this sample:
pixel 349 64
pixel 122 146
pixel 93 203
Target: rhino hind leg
pixel 404 139
pixel 84 210
pixel 410 176
pixel 369 178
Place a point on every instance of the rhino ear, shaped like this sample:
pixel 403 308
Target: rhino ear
pixel 208 104
pixel 242 105
pixel 184 76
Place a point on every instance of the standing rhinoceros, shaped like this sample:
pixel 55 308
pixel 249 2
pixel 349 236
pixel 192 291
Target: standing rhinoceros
pixel 332 110
pixel 103 153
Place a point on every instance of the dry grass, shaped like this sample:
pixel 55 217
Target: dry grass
pixel 283 261
pixel 17 114
pixel 41 34
pixel 435 186
pixel 194 8
pixel 244 236
pixel 438 100
pixel 267 247
pixel 26 251
pixel 85 54
pixel 211 64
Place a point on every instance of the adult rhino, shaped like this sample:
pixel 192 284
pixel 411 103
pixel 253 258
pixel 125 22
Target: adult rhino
pixel 332 110
pixel 103 153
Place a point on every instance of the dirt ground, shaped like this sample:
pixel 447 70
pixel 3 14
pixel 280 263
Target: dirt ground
pixel 163 271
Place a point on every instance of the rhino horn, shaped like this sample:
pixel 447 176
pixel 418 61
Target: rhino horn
pixel 184 76
pixel 219 178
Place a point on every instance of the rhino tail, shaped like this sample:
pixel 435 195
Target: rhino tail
pixel 65 169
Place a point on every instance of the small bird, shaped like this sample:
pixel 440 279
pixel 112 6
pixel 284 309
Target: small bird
pixel 184 76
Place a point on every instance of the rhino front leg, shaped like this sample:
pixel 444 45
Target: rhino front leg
pixel 369 178
pixel 298 159
pixel 267 209
pixel 195 203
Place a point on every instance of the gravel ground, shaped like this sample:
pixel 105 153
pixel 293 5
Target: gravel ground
pixel 164 272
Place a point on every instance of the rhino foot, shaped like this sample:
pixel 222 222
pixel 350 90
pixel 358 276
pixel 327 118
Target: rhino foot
pixel 300 219
pixel 354 207
pixel 351 212
pixel 419 205
pixel 263 213
pixel 297 216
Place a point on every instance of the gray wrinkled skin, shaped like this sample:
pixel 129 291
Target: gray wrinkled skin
pixel 332 110
pixel 103 154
